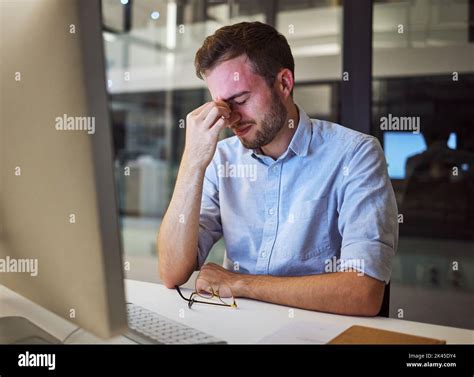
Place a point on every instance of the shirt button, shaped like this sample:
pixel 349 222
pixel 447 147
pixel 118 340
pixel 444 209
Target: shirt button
pixel 271 211
pixel 275 169
pixel 264 254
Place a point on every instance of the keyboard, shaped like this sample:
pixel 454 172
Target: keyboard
pixel 148 327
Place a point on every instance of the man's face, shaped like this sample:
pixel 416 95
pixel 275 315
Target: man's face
pixel 261 112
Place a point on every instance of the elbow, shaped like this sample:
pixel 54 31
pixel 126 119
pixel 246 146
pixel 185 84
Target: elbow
pixel 371 309
pixel 170 280
pixel 371 302
pixel 169 284
pixel 172 277
pixel 365 297
pixel 165 271
pixel 173 270
pixel 365 307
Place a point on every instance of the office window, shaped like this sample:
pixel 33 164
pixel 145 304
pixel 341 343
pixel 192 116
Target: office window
pixel 423 114
pixel 313 29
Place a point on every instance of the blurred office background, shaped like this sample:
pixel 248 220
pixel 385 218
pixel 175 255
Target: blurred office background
pixel 422 66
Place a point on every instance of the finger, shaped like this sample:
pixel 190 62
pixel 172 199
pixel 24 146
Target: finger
pixel 217 111
pixel 202 285
pixel 203 107
pixel 198 109
pixel 222 103
pixel 217 127
pixel 206 110
pixel 214 114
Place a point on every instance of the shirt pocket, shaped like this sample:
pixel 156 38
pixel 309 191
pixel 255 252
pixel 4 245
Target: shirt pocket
pixel 308 229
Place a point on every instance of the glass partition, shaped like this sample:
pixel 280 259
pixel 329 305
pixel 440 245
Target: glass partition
pixel 423 113
pixel 150 47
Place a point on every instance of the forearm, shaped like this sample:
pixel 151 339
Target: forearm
pixel 340 293
pixel 179 231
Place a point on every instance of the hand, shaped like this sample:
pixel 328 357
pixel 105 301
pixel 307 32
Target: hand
pixel 218 275
pixel 202 131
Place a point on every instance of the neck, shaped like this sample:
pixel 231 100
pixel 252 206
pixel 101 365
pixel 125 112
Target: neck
pixel 283 138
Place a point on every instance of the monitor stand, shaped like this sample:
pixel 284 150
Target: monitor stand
pixel 19 330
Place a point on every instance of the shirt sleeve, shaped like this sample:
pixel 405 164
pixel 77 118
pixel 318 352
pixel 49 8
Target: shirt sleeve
pixel 368 212
pixel 210 226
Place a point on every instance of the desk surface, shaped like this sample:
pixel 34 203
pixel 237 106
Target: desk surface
pixel 251 322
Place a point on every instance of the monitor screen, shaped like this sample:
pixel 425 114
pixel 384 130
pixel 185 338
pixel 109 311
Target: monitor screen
pixel 399 146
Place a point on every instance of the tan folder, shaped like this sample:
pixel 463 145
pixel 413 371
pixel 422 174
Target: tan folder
pixel 369 335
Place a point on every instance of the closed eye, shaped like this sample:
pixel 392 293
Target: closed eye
pixel 242 100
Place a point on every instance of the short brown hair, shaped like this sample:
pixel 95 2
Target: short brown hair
pixel 268 50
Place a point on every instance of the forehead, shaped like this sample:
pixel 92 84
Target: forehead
pixel 232 76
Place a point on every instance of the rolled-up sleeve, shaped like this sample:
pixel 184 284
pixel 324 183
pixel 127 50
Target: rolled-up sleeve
pixel 210 226
pixel 367 212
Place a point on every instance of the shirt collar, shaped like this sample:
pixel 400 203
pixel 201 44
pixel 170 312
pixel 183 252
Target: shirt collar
pixel 302 137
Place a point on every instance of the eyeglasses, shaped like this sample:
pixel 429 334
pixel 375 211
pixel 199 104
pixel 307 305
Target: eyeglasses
pixel 208 291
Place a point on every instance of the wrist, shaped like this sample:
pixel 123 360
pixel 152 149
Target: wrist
pixel 243 285
pixel 192 164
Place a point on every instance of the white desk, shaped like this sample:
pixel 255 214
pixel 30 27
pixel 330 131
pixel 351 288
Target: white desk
pixel 251 322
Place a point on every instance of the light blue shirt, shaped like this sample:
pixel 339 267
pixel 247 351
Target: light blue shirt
pixel 325 205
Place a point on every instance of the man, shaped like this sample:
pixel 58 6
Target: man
pixel 305 206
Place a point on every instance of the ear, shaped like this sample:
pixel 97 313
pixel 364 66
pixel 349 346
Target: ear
pixel 285 82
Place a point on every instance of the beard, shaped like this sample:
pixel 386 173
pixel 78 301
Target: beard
pixel 273 121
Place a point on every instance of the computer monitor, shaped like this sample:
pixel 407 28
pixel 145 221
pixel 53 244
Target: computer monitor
pixel 399 146
pixel 59 234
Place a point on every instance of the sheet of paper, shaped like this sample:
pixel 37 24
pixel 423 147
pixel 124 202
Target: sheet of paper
pixel 300 332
